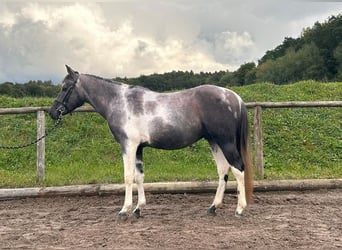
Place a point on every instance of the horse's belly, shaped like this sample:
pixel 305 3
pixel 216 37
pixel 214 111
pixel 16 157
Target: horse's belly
pixel 168 137
pixel 172 142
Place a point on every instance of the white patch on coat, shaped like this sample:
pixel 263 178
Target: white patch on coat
pixel 238 98
pixel 137 126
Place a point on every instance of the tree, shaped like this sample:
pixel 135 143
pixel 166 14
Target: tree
pixel 245 74
pixel 281 49
pixel 325 36
pixel 7 88
pixel 306 63
pixel 226 79
pixel 338 57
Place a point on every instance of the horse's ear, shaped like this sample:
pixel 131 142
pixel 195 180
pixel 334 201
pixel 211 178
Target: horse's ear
pixel 71 72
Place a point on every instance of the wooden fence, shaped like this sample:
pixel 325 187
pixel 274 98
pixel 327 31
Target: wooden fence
pixel 257 123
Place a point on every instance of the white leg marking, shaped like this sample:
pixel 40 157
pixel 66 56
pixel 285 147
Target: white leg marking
pixel 129 165
pixel 139 179
pixel 222 170
pixel 240 179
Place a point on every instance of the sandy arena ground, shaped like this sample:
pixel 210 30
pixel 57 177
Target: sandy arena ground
pixel 276 220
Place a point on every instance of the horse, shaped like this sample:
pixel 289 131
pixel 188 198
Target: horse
pixel 139 117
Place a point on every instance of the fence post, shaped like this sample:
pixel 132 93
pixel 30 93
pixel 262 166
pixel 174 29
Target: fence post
pixel 40 146
pixel 258 143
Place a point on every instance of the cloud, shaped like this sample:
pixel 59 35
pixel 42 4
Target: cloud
pixel 42 38
pixel 130 38
pixel 232 46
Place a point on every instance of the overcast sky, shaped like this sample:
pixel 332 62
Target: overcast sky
pixel 135 37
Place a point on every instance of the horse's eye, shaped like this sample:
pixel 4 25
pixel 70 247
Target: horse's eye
pixel 64 88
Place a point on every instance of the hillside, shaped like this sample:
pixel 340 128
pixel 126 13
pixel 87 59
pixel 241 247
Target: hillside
pixel 298 143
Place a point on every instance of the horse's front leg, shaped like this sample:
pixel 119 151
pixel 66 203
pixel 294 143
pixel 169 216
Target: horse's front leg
pixel 139 179
pixel 128 155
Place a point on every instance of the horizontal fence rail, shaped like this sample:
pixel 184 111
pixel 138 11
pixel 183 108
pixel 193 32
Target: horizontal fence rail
pixel 26 110
pixel 320 104
pixel 257 123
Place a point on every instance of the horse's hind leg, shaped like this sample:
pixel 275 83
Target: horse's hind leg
pixel 222 169
pixel 234 159
pixel 240 179
pixel 139 179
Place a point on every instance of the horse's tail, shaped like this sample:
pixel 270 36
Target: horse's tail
pixel 243 139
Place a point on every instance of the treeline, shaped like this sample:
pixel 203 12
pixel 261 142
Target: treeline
pixel 31 88
pixel 176 80
pixel 315 55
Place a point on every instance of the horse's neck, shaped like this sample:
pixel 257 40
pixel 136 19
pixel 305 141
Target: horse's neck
pixel 101 94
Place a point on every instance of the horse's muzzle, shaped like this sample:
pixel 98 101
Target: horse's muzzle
pixel 57 110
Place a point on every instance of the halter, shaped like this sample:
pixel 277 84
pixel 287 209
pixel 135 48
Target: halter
pixel 66 97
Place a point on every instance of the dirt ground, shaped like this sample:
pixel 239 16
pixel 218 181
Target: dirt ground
pixel 276 220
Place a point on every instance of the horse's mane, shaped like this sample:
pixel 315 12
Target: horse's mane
pixel 104 79
pixel 116 82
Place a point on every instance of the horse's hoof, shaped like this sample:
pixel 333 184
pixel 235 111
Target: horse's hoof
pixel 122 216
pixel 212 211
pixel 137 213
pixel 237 214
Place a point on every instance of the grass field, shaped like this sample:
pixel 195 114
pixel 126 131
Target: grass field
pixel 298 143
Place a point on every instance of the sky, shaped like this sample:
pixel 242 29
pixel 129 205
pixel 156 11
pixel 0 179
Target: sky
pixel 140 37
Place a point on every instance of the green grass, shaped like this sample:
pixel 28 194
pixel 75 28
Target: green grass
pixel 298 143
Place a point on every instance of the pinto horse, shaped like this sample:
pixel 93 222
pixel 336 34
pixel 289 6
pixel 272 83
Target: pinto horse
pixel 139 117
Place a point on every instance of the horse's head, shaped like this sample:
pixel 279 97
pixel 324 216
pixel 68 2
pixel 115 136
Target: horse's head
pixel 68 98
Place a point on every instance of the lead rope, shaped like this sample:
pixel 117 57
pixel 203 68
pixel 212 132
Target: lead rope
pixel 37 140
